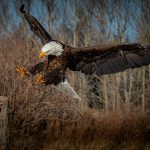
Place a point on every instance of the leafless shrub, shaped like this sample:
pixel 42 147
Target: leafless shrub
pixel 42 117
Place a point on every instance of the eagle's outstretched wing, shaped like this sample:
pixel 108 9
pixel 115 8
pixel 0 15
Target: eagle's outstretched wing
pixel 36 27
pixel 108 59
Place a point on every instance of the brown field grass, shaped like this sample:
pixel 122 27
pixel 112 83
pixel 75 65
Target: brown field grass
pixel 43 118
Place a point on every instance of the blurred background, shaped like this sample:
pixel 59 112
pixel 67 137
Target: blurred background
pixel 76 23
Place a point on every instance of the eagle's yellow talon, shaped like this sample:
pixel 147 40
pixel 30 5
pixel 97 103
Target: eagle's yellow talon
pixel 39 79
pixel 21 70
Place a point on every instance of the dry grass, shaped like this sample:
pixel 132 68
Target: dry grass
pixel 42 118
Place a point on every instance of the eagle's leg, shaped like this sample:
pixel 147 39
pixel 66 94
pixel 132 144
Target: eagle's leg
pixel 22 71
pixel 52 77
pixel 37 68
pixel 31 70
pixel 40 79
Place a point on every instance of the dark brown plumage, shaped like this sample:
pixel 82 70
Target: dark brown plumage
pixel 36 27
pixel 103 59
pixel 112 59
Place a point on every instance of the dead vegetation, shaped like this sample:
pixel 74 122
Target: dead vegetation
pixel 41 117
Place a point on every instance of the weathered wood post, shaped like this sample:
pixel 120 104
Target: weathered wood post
pixel 4 132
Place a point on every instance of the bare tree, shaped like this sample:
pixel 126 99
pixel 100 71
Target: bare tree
pixel 4 16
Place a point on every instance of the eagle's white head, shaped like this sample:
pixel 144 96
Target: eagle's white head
pixel 51 48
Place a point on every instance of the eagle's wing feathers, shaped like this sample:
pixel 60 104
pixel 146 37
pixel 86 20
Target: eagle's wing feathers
pixel 36 27
pixel 109 59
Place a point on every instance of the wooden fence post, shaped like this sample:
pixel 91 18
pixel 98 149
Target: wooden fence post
pixel 4 131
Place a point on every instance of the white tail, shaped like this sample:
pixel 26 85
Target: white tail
pixel 66 88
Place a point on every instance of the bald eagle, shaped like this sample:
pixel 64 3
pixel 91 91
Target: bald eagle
pixel 99 60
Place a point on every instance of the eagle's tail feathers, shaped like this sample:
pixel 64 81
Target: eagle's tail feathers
pixel 66 87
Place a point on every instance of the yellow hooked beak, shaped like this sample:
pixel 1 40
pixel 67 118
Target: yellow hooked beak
pixel 42 54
